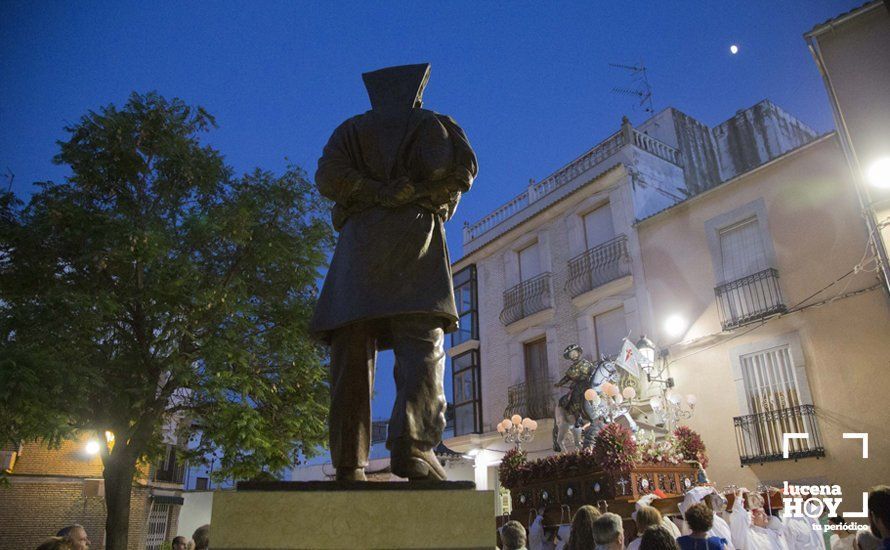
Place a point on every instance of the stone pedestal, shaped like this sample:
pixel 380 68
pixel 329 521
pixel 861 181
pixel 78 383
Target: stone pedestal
pixel 292 515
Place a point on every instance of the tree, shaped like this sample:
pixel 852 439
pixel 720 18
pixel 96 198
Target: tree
pixel 153 285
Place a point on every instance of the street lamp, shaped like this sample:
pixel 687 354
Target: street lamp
pixel 879 173
pixel 647 350
pixel 517 430
pixel 669 405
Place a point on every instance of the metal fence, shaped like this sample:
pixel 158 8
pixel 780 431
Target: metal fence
pixel 534 400
pixel 760 436
pixel 527 297
pixel 599 265
pixel 749 299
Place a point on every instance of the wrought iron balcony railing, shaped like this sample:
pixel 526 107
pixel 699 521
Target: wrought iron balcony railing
pixel 171 470
pixel 599 265
pixel 534 400
pixel 760 436
pixel 749 299
pixel 527 297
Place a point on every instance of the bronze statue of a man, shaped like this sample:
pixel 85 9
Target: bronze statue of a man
pixel 395 174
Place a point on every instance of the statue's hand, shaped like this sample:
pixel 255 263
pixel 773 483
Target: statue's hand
pixel 397 193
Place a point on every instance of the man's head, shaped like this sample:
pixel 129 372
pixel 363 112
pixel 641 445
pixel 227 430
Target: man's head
pixel 77 535
pixel 201 536
pixel 180 543
pixel 700 518
pixel 513 535
pixel 759 517
pixel 608 531
pixel 879 511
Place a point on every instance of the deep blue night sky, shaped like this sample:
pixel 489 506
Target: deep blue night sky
pixel 528 81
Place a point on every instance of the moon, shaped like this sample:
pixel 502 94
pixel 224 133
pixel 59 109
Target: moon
pixel 733 49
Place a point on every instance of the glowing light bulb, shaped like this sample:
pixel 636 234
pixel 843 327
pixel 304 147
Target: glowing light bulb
pixel 879 173
pixel 733 49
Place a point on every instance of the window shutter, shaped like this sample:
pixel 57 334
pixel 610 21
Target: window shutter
pixel 598 226
pixel 743 253
pixel 611 330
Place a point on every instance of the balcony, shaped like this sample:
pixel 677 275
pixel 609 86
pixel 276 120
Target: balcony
pixel 759 436
pixel 169 470
pixel 598 266
pixel 749 299
pixel 574 175
pixel 526 298
pixel 532 400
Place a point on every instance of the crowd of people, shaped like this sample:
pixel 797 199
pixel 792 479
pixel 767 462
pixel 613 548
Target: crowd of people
pixel 74 537
pixel 704 524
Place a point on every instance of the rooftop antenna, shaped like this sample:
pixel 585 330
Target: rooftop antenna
pixel 640 85
pixel 9 176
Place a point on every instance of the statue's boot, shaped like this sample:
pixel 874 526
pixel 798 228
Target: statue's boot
pixel 351 474
pixel 407 461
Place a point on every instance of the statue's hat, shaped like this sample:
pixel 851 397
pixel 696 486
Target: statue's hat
pixel 398 87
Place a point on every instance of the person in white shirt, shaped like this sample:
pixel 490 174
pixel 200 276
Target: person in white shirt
pixel 536 531
pixel 800 535
pixel 755 530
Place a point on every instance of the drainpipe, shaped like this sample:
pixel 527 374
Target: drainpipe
pixel 875 238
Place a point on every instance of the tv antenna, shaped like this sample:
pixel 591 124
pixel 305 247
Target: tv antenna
pixel 9 176
pixel 640 87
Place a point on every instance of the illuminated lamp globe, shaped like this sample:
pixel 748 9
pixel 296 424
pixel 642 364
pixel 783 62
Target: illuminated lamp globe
pixel 674 398
pixel 655 403
pixel 527 423
pixel 589 394
pixel 516 420
pixel 610 389
pixel 629 393
pixel 879 173
pixel 92 447
pixel 501 428
pixel 691 399
pixel 534 425
pixel 675 325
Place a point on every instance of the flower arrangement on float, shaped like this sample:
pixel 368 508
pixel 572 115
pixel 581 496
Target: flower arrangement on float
pixel 615 451
pixel 690 445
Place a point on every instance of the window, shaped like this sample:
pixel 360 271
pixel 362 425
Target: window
pixel 157 526
pixel 598 226
pixel 201 483
pixel 742 250
pixel 529 262
pixel 467 397
pixel 379 431
pixel 467 309
pixel 538 387
pixel 770 380
pixel 609 330
pixel 774 393
pixel 744 262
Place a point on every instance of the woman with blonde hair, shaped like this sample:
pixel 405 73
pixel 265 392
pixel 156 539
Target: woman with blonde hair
pixel 644 517
pixel 581 537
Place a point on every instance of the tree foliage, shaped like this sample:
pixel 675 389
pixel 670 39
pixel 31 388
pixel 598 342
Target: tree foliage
pixel 154 284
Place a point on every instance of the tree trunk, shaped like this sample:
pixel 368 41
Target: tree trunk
pixel 120 465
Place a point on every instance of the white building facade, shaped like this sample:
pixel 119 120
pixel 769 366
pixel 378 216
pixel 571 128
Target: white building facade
pixel 560 264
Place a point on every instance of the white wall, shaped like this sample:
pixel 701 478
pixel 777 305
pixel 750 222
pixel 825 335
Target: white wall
pixel 195 512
